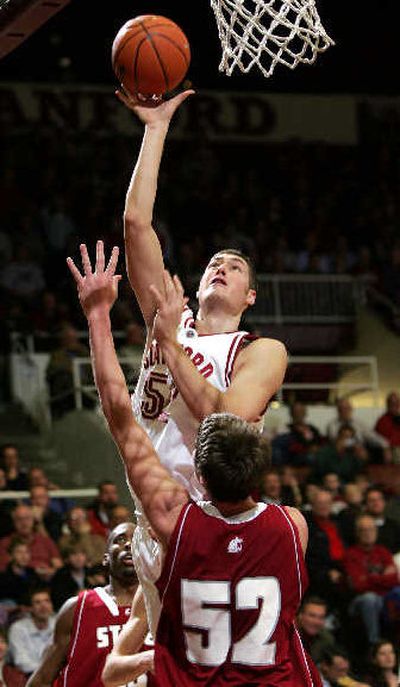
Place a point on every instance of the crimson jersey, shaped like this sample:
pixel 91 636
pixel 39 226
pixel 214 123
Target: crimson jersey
pixel 97 623
pixel 230 590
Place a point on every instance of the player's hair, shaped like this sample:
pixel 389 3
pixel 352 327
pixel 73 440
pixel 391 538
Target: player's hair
pixel 248 261
pixel 231 457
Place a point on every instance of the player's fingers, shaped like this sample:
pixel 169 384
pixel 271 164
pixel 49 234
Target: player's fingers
pixel 178 286
pixel 168 283
pixel 87 267
pixel 99 257
pixel 158 297
pixel 112 263
pixel 178 99
pixel 125 97
pixel 74 271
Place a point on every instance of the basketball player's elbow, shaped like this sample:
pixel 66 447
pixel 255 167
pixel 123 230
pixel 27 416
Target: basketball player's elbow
pixel 136 222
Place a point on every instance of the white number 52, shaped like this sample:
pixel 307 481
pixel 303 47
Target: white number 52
pixel 208 633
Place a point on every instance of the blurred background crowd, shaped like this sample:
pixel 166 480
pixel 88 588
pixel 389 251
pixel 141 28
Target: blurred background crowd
pixel 52 547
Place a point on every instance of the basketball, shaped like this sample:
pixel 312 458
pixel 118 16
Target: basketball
pixel 150 55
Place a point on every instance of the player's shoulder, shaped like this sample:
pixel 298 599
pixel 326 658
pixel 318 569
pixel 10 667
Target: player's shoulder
pixel 257 347
pixel 301 523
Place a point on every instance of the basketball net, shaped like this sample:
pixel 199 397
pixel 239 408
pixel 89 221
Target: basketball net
pixel 266 33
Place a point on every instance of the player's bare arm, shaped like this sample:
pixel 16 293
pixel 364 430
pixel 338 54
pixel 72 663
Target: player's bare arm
pixel 257 374
pixel 126 662
pixel 55 655
pixel 161 496
pixel 301 524
pixel 143 251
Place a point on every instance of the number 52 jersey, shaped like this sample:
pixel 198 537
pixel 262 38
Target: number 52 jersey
pixel 230 589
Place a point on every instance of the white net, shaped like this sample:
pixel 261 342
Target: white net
pixel 268 32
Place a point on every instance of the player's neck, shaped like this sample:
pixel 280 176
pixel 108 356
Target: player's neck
pixel 216 322
pixel 122 593
pixel 227 509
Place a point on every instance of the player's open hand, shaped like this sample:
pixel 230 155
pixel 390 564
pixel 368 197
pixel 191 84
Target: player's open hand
pixel 152 109
pixel 169 306
pixel 98 290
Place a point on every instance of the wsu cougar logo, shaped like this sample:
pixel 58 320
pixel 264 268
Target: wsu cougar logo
pixel 235 545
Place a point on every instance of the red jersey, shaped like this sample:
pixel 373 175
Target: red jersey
pixel 97 623
pixel 230 590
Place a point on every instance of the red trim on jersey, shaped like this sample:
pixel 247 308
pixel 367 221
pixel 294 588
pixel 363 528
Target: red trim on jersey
pixel 75 631
pixel 228 359
pixel 236 347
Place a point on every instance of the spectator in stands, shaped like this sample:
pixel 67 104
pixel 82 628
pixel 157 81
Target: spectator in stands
pixel 362 434
pixel 325 549
pixel 9 675
pixel 335 670
pixel 6 507
pixel 119 514
pixel 100 513
pixel 346 457
pixel 47 521
pixel 38 478
pixel 393 504
pixel 271 488
pixel 45 557
pixel 383 671
pixel 19 578
pixel 17 479
pixel 23 277
pixel 134 341
pixel 388 425
pixel 346 519
pixel 71 578
pixel 304 437
pixel 30 636
pixel 59 371
pixel 311 625
pixel 291 492
pixel 388 530
pixel 331 483
pixel 371 573
pixel 80 533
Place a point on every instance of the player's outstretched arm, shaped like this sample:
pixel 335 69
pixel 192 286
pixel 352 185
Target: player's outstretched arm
pixel 162 498
pixel 257 374
pixel 55 655
pixel 143 251
pixel 126 662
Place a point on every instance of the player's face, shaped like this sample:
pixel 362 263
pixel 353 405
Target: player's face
pixel 226 279
pixel 119 553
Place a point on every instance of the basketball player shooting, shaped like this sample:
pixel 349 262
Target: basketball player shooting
pixel 88 624
pixel 234 570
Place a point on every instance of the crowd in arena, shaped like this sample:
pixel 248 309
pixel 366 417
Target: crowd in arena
pixel 51 548
pixel 297 208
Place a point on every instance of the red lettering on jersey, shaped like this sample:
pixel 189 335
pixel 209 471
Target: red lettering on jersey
pixel 207 370
pixel 198 359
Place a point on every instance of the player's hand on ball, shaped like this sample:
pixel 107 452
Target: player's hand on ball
pixel 169 306
pixel 98 290
pixel 152 109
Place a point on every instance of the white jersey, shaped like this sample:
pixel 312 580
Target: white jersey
pixel 159 407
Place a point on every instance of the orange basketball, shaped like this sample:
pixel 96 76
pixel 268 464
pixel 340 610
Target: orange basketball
pixel 150 55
